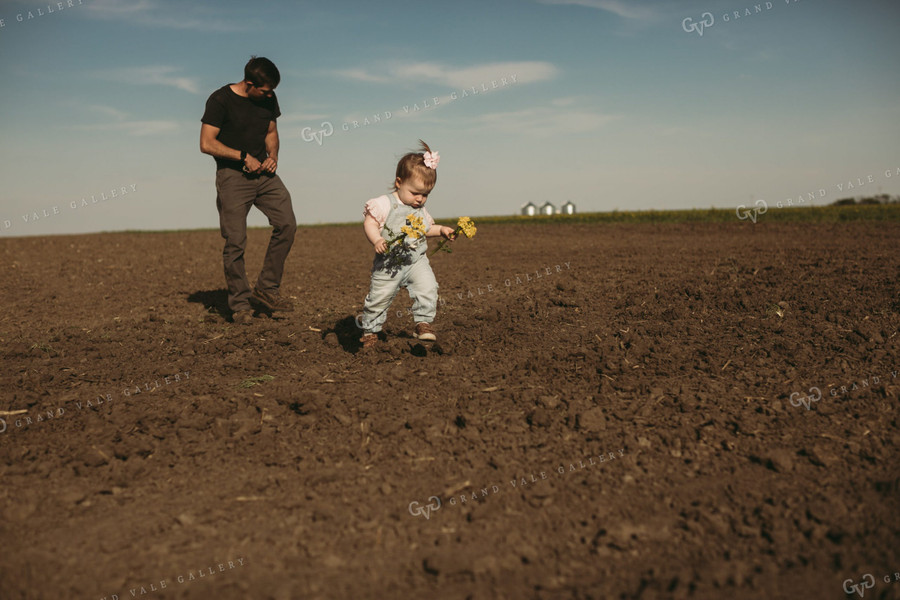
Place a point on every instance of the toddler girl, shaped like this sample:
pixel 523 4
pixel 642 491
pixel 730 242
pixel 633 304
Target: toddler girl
pixel 397 224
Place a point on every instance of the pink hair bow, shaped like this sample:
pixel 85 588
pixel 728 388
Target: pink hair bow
pixel 431 160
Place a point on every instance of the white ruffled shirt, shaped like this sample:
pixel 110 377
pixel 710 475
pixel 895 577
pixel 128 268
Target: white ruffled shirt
pixel 379 208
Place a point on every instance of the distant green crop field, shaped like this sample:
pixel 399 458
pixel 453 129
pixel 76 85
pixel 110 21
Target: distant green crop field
pixel 801 214
pixel 816 214
pixel 773 214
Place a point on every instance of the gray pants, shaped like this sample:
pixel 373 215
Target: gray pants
pixel 236 193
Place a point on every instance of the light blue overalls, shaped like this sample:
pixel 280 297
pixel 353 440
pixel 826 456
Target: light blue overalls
pixel 413 272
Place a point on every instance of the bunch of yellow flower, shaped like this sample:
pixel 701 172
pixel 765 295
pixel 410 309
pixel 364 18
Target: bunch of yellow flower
pixel 464 226
pixel 415 229
pixel 399 254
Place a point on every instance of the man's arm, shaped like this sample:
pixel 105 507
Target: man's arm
pixel 209 144
pixel 272 145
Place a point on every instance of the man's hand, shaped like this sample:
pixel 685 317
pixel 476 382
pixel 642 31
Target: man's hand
pixel 381 246
pixel 269 165
pixel 251 165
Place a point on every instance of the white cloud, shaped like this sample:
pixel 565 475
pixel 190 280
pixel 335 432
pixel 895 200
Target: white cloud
pixel 151 75
pixel 155 13
pixel 110 112
pixel 563 101
pixel 118 121
pixel 626 10
pixel 135 128
pixel 560 118
pixel 362 75
pixel 141 128
pixel 457 77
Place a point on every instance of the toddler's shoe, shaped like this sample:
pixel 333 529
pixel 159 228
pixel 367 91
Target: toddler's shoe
pixel 369 340
pixel 425 332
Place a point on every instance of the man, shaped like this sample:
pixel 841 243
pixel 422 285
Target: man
pixel 239 131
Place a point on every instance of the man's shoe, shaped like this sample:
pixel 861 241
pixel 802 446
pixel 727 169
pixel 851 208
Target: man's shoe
pixel 242 317
pixel 369 340
pixel 425 332
pixel 272 301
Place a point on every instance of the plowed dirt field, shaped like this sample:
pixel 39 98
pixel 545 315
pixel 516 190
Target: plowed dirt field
pixel 610 411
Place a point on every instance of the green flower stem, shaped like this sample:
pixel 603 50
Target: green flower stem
pixel 440 245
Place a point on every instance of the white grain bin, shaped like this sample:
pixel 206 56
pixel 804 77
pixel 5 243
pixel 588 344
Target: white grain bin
pixel 547 209
pixel 568 208
pixel 529 210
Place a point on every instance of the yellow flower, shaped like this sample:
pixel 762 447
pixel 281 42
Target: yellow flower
pixel 414 229
pixel 466 227
pixel 411 232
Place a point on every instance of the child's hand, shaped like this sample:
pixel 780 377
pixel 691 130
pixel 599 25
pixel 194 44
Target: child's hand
pixel 448 233
pixel 381 246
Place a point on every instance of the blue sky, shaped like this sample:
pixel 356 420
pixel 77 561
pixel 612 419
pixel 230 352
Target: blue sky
pixel 607 103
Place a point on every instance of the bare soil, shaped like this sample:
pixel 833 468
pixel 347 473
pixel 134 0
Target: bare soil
pixel 610 411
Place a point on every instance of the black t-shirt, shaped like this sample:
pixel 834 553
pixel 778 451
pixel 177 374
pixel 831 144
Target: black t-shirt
pixel 242 122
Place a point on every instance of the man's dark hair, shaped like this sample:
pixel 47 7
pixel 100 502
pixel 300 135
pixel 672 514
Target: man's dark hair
pixel 261 71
